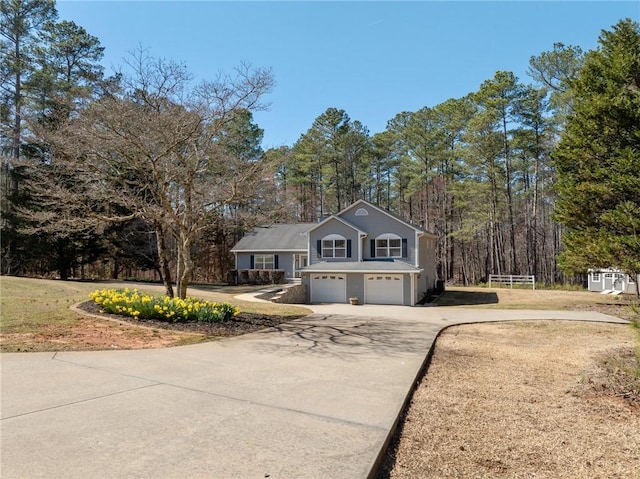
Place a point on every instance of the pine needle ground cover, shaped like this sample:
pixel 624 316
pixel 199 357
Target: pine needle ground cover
pixel 524 399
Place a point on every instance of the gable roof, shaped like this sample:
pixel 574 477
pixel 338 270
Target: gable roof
pixel 341 220
pixel 396 217
pixel 279 237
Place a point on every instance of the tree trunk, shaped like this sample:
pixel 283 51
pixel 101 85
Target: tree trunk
pixel 163 257
pixel 64 265
pixel 185 264
pixel 512 225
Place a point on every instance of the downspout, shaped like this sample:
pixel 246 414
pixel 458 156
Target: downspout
pixel 413 289
pixel 361 247
pixel 416 261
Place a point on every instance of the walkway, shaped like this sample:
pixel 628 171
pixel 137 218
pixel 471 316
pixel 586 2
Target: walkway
pixel 317 397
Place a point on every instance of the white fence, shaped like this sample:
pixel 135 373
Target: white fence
pixel 512 279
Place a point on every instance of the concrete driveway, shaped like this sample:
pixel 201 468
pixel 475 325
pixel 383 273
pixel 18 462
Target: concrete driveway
pixel 314 398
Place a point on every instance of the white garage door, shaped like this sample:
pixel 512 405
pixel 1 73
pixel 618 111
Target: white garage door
pixel 328 288
pixel 384 289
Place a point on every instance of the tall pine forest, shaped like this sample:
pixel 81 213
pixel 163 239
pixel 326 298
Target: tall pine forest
pixel 489 173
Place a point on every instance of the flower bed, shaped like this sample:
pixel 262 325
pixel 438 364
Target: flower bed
pixel 137 305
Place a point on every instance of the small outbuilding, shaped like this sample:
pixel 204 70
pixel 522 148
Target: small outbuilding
pixel 611 280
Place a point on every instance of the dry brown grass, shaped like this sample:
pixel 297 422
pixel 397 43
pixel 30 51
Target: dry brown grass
pixel 514 400
pixel 505 298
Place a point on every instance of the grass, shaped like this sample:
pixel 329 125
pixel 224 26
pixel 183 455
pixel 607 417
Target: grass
pixel 539 286
pixel 504 298
pixel 624 306
pixel 35 316
pixel 520 400
pixel 554 398
pixel 27 304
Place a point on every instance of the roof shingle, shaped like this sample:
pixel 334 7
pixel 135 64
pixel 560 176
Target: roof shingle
pixel 279 237
pixel 362 267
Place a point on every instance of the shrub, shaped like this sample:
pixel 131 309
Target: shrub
pixel 259 276
pixel 254 276
pixel 126 302
pixel 264 276
pixel 243 276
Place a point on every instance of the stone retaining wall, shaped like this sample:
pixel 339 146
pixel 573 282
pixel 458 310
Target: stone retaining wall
pixel 294 294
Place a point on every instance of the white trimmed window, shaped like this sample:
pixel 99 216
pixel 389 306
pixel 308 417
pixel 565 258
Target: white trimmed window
pixel 264 261
pixel 334 246
pixel 388 245
pixel 595 277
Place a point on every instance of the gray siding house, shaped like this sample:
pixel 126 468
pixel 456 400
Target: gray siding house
pixel 274 247
pixel 368 253
pixel 362 252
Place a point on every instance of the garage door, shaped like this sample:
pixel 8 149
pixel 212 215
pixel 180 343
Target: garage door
pixel 384 289
pixel 328 288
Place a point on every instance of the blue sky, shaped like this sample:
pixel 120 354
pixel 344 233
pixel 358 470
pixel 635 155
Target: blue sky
pixel 372 59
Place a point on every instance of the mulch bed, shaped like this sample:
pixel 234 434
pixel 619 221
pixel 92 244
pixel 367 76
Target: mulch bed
pixel 243 323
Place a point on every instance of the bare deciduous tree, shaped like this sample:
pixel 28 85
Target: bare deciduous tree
pixel 152 151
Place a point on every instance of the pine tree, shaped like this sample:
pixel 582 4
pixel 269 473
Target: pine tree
pixel 598 158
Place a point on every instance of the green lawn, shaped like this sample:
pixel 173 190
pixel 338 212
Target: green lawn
pixel 35 314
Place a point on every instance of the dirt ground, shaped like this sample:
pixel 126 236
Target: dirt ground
pixel 525 400
pixel 91 335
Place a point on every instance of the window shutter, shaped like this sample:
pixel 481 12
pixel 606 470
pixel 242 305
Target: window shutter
pixel 319 248
pixel 348 248
pixel 275 262
pixel 373 248
pixel 404 247
pixel 252 262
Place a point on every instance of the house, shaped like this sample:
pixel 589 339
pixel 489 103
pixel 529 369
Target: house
pixel 274 247
pixel 611 280
pixel 362 252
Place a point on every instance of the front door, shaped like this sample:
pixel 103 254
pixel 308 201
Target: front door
pixel 300 261
pixel 608 281
pixel 614 281
pixel 618 282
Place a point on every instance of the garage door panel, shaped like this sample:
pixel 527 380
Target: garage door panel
pixel 384 289
pixel 329 288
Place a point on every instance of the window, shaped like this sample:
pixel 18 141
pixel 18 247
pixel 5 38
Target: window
pixel 263 261
pixel 334 246
pixel 362 212
pixel 595 277
pixel 388 246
